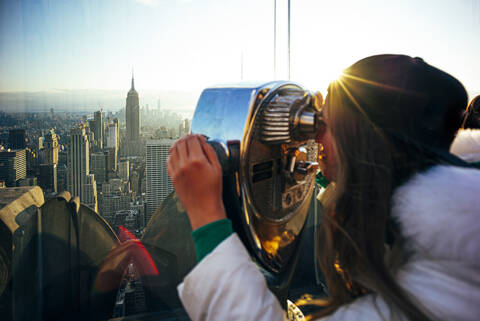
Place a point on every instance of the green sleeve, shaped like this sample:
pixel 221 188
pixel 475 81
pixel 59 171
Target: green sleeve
pixel 207 237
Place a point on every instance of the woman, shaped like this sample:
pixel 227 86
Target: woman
pixel 472 117
pixel 401 230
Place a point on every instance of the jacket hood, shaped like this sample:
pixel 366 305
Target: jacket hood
pixel 439 213
pixel 467 145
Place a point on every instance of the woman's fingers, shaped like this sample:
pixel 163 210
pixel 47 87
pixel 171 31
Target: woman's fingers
pixel 186 154
pixel 197 181
pixel 182 148
pixel 208 151
pixel 195 149
pixel 172 159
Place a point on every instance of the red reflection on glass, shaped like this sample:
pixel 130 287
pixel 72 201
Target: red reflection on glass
pixel 129 250
pixel 141 257
pixel 125 235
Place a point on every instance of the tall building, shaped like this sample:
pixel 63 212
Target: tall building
pixel 112 134
pixel 124 170
pixel 91 138
pixel 48 157
pixel 115 186
pixel 80 182
pixel 16 139
pixel 99 163
pixel 62 171
pixel 78 160
pixel 99 129
pixel 32 162
pixel 180 130
pixel 109 204
pixel 112 145
pixel 133 121
pixel 139 207
pixel 62 174
pixel 89 191
pixel 158 181
pixel 13 166
pixel 41 140
pixel 48 178
pixel 112 159
pixel 135 183
pixel 50 148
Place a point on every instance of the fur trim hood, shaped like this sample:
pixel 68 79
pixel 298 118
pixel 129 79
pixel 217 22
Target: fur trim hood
pixel 466 145
pixel 439 213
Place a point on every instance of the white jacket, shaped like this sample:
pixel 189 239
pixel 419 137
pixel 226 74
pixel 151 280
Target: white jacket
pixel 467 145
pixel 439 212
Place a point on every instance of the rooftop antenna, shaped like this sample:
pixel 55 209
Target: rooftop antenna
pixel 288 39
pixel 133 84
pixel 241 66
pixel 274 39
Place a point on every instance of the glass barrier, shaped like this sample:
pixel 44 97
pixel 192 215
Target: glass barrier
pixel 94 93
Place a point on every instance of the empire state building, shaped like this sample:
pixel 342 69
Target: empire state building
pixel 133 122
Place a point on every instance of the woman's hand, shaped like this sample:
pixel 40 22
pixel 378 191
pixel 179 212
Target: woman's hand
pixel 196 175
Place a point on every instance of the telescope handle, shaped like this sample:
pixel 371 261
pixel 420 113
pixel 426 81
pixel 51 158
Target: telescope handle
pixel 228 155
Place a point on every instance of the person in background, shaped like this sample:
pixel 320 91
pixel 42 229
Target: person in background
pixel 467 142
pixel 472 115
pixel 400 237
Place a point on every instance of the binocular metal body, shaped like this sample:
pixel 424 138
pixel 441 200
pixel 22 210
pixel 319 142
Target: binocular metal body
pixel 264 136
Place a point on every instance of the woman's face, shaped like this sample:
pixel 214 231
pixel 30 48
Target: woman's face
pixel 328 158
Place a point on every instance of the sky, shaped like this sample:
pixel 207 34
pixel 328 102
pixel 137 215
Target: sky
pixel 49 46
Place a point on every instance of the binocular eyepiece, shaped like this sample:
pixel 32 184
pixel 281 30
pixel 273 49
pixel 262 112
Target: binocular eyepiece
pixel 285 119
pixel 292 117
pixel 264 137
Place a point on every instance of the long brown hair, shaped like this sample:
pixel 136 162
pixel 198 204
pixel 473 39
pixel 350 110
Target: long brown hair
pixel 357 227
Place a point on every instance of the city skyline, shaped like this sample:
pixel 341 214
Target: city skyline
pixel 90 156
pixel 185 45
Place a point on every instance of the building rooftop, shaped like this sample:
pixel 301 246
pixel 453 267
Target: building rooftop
pixel 10 194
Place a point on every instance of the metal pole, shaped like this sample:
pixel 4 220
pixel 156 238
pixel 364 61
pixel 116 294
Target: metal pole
pixel 288 39
pixel 241 66
pixel 274 39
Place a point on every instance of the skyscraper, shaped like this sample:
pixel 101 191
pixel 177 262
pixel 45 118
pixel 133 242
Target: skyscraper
pixel 99 129
pixel 13 166
pixel 111 159
pixel 50 148
pixel 48 162
pixel 124 170
pixel 41 140
pixel 112 134
pixel 89 192
pixel 111 146
pixel 180 130
pixel 16 139
pixel 133 121
pixel 78 160
pixel 158 181
pixel 99 165
pixel 80 182
pixel 47 179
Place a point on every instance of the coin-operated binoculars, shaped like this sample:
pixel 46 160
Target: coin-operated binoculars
pixel 264 136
